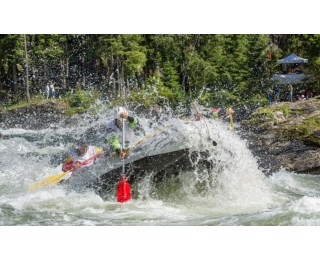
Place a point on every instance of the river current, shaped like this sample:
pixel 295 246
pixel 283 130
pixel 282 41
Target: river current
pixel 235 192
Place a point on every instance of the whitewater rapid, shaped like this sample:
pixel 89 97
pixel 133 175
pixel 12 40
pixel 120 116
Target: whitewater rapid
pixel 233 192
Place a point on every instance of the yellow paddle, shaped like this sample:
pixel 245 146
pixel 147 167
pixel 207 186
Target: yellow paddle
pixel 148 136
pixel 231 122
pixel 230 111
pixel 50 180
pixel 54 179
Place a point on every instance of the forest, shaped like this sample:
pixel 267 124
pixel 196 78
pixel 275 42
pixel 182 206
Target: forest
pixel 213 69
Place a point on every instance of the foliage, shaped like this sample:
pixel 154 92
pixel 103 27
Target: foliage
pixel 284 108
pixel 25 103
pixel 143 97
pixel 81 100
pixel 306 129
pixel 216 70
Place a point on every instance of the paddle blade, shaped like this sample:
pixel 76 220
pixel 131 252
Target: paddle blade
pixel 124 190
pixel 50 180
pixel 56 178
pixel 231 122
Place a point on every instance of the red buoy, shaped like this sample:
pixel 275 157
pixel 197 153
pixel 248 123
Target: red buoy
pixel 124 190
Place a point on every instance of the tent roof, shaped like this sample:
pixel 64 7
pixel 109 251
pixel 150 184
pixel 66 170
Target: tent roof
pixel 292 58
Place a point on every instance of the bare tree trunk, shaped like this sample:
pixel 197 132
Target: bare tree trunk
pixel 112 71
pixel 83 71
pixel 14 77
pixel 67 71
pixel 27 75
pixel 103 75
pixel 45 73
pixel 63 73
pixel 1 84
pixel 36 87
pixel 128 87
pixel 123 82
pixel 119 80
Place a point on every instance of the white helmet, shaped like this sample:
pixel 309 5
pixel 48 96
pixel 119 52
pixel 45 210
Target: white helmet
pixel 118 111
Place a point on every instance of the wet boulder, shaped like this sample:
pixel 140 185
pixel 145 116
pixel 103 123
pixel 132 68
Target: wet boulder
pixel 286 135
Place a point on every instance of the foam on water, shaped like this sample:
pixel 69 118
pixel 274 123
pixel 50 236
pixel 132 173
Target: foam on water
pixel 233 192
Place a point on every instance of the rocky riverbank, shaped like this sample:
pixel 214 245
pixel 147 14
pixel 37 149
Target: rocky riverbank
pixel 286 135
pixel 35 116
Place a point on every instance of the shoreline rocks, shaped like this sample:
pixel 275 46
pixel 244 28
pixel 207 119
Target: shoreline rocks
pixel 35 116
pixel 285 135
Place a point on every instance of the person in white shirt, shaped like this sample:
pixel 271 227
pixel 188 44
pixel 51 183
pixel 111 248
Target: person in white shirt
pixel 83 156
pixel 53 94
pixel 47 91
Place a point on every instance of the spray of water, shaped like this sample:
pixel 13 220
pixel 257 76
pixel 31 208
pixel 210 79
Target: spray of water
pixel 220 179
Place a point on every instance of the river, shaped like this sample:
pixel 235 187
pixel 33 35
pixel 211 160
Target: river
pixel 234 193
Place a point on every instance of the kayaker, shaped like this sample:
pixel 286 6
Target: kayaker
pixel 215 113
pixel 218 113
pixel 114 130
pixel 81 157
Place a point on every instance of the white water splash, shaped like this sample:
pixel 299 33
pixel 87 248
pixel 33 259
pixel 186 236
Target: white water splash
pixel 223 195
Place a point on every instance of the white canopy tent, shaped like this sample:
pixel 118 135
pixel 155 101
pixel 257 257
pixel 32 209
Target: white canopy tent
pixel 291 78
pixel 292 58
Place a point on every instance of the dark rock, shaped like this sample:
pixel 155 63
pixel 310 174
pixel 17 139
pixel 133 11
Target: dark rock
pixel 4 136
pixel 35 116
pixel 285 135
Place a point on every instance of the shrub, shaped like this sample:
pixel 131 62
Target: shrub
pixel 80 99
